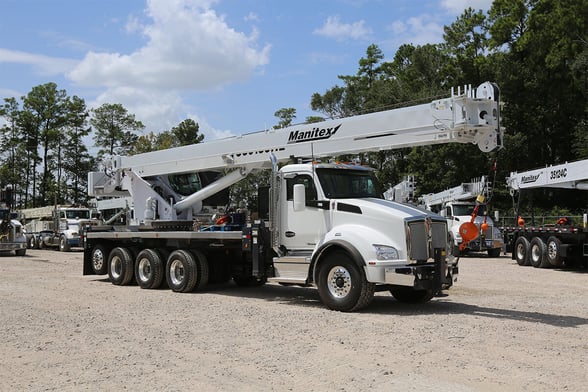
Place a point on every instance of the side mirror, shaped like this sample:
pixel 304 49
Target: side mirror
pixel 299 195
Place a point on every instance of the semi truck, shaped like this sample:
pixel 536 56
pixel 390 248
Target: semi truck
pixel 467 203
pixel 12 238
pixel 563 242
pixel 318 223
pixel 57 227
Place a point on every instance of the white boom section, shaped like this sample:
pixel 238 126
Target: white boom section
pixel 570 175
pixel 465 191
pixel 470 116
pixel 402 192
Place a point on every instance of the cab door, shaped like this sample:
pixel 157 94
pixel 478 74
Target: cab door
pixel 302 228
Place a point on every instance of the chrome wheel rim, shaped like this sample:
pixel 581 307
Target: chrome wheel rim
pixel 176 272
pixel 339 282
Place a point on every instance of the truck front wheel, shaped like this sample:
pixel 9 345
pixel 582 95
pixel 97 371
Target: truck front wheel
pixel 342 284
pixel 63 244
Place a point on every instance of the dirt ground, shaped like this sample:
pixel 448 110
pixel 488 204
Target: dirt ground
pixel 501 328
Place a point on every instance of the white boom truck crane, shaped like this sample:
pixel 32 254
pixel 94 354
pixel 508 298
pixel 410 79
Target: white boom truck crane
pixel 328 223
pixel 563 242
pixel 457 205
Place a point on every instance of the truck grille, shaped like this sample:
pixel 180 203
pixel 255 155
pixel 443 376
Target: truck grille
pixel 423 237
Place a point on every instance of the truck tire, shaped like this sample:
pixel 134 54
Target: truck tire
pixel 494 252
pixel 120 266
pixel 553 247
pixel 31 242
pixel 202 269
pixel 409 295
pixel 342 284
pixel 149 269
pixel 181 271
pixel 521 251
pixel 538 253
pixel 63 244
pixel 99 260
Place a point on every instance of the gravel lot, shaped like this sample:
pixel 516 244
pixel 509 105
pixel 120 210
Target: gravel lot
pixel 501 328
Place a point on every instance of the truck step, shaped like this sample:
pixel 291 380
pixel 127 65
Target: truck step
pixel 291 269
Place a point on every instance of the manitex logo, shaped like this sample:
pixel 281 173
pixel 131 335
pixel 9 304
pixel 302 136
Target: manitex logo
pixel 312 134
pixel 530 179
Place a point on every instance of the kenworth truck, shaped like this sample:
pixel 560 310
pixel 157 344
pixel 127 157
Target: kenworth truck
pixel 319 224
pixel 563 242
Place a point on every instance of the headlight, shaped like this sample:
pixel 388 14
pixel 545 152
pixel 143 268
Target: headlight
pixel 384 252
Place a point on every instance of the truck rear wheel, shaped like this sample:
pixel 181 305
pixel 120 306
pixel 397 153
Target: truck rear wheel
pixel 202 268
pixel 186 272
pixel 553 247
pixel 494 252
pixel 538 253
pixel 149 270
pixel 521 251
pixel 99 262
pixel 120 266
pixel 342 284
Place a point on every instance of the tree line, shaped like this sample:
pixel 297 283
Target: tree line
pixel 535 50
pixel 45 156
pixel 537 53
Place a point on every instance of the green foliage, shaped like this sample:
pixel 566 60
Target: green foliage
pixel 313 119
pixel 286 116
pixel 536 50
pixel 114 129
pixel 185 133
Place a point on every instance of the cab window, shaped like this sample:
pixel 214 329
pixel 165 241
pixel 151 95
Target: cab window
pixel 306 180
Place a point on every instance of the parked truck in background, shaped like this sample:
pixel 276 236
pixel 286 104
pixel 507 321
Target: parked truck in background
pixel 457 205
pixel 322 224
pixel 55 226
pixel 12 236
pixel 564 242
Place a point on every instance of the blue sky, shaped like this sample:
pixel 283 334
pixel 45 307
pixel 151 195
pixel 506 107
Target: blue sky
pixel 227 64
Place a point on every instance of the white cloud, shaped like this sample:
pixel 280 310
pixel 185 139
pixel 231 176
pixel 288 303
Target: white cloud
pixel 188 47
pixel 420 30
pixel 158 110
pixel 252 16
pixel 458 6
pixel 334 28
pixel 43 65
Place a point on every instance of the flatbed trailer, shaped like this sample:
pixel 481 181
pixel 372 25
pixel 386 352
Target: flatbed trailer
pixel 545 246
pixel 562 243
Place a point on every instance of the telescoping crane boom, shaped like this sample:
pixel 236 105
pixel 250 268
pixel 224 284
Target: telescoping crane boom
pixel 470 116
pixel 328 223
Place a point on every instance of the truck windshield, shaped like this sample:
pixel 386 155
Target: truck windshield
pixel 77 214
pixel 344 183
pixel 466 209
